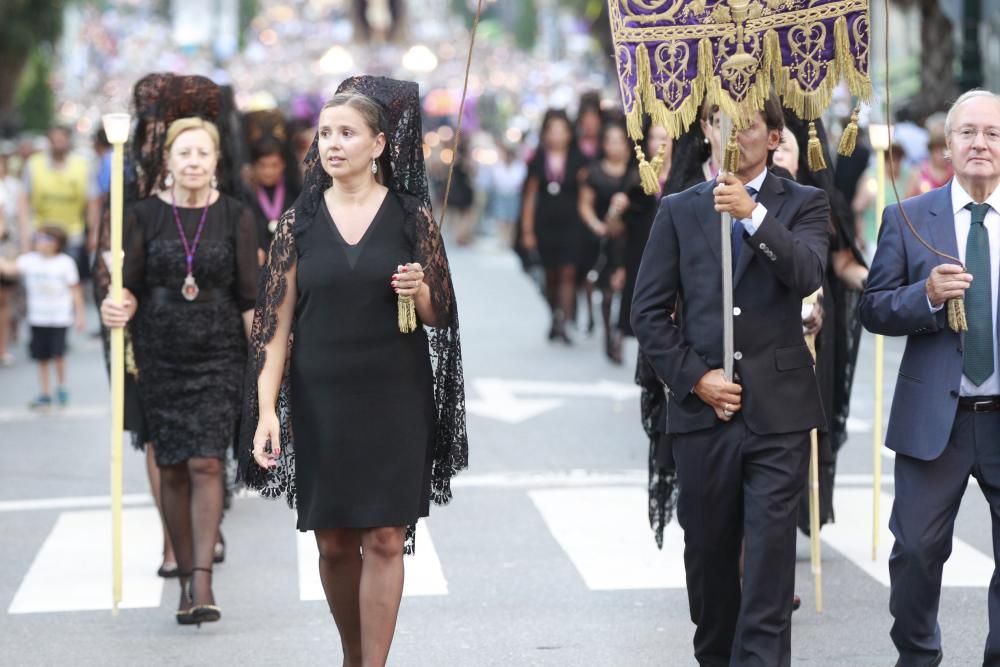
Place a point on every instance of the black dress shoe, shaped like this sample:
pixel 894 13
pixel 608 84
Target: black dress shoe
pixel 934 662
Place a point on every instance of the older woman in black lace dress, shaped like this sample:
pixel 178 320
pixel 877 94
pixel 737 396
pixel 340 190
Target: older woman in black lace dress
pixel 190 277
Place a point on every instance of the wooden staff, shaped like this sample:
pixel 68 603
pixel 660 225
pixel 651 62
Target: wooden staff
pixel 116 126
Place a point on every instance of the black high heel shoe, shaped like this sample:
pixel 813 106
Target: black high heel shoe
pixel 185 616
pixel 203 613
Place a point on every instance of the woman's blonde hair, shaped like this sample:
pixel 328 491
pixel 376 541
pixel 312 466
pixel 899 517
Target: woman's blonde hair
pixel 182 125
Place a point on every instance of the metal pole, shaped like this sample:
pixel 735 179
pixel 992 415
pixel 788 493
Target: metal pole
pixel 727 268
pixel 815 548
pixel 879 375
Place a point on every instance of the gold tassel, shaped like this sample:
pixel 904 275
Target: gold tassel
pixel 731 158
pixel 956 315
pixel 849 139
pixel 130 366
pixel 407 314
pixel 816 161
pixel 649 171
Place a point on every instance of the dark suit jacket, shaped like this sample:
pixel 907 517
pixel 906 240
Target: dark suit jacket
pixel 782 263
pixel 895 304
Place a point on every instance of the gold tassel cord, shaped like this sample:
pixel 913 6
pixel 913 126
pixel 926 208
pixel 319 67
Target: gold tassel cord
pixel 849 139
pixel 407 314
pixel 649 171
pixel 731 157
pixel 956 315
pixel 815 150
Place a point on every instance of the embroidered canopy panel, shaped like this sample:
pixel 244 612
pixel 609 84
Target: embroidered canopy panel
pixel 672 54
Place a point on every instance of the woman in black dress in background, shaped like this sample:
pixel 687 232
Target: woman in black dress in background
pixel 601 180
pixel 190 277
pixel 377 408
pixel 550 221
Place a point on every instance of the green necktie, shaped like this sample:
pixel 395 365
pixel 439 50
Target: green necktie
pixel 978 360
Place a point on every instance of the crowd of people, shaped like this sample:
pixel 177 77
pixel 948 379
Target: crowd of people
pixel 238 225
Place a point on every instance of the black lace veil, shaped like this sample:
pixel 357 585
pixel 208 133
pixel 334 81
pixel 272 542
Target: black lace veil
pixel 402 168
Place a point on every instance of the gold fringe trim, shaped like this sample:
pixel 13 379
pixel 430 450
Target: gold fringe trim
pixel 815 150
pixel 956 315
pixel 859 84
pixel 407 314
pixel 849 139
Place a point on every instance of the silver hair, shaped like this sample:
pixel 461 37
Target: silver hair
pixel 965 97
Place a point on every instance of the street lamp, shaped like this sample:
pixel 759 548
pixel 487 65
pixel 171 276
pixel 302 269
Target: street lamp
pixel 116 127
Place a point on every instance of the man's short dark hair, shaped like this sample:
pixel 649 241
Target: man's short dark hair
pixel 773 115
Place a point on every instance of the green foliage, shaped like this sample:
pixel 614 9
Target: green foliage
pixel 27 23
pixel 526 31
pixel 34 96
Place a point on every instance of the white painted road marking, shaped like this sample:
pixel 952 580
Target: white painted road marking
pixel 499 398
pixel 72 570
pixel 424 575
pixel 605 533
pixel 851 535
pixel 9 415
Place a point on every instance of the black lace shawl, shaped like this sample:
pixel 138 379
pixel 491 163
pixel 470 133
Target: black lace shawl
pixel 402 167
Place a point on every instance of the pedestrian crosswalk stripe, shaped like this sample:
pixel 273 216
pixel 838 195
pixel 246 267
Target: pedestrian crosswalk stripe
pixel 605 533
pixel 72 570
pixel 851 535
pixel 424 575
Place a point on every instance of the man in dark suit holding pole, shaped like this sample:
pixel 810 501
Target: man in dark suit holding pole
pixel 741 447
pixel 945 419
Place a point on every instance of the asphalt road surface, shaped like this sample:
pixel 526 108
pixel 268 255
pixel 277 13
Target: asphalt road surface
pixel 544 558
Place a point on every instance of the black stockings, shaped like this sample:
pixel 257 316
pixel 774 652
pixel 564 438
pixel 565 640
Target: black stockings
pixel 560 291
pixel 192 494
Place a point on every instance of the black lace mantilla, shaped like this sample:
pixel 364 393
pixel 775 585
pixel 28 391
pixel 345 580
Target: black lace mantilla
pixel 403 172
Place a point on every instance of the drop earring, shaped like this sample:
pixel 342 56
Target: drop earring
pixel 215 183
pixel 168 180
pixel 374 166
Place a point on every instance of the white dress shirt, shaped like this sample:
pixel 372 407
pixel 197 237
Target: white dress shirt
pixel 963 221
pixel 753 223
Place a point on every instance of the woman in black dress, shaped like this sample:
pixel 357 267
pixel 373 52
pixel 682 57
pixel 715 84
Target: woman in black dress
pixel 190 280
pixel 271 190
pixel 550 221
pixel 600 182
pixel 376 405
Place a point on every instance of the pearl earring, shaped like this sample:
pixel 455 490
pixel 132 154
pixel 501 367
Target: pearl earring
pixel 168 181
pixel 215 183
pixel 374 166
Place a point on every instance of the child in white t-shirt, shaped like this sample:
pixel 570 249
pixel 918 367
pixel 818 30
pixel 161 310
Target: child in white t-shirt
pixel 55 303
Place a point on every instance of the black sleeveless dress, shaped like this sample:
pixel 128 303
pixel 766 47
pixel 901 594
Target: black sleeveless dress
pixel 190 354
pixel 362 392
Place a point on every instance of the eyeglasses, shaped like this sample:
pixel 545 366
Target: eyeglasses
pixel 968 134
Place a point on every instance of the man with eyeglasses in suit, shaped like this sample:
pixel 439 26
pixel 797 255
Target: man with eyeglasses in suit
pixel 945 420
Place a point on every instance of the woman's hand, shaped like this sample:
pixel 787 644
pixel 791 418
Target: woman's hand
pixel 268 431
pixel 619 203
pixel 115 316
pixel 529 241
pixel 408 279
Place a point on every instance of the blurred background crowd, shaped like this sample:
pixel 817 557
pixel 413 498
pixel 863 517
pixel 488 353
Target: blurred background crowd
pixel 541 82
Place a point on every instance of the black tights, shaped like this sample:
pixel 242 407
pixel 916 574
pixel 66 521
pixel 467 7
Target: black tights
pixel 560 292
pixel 192 495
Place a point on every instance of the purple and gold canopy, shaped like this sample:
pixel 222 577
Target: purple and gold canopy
pixel 672 53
